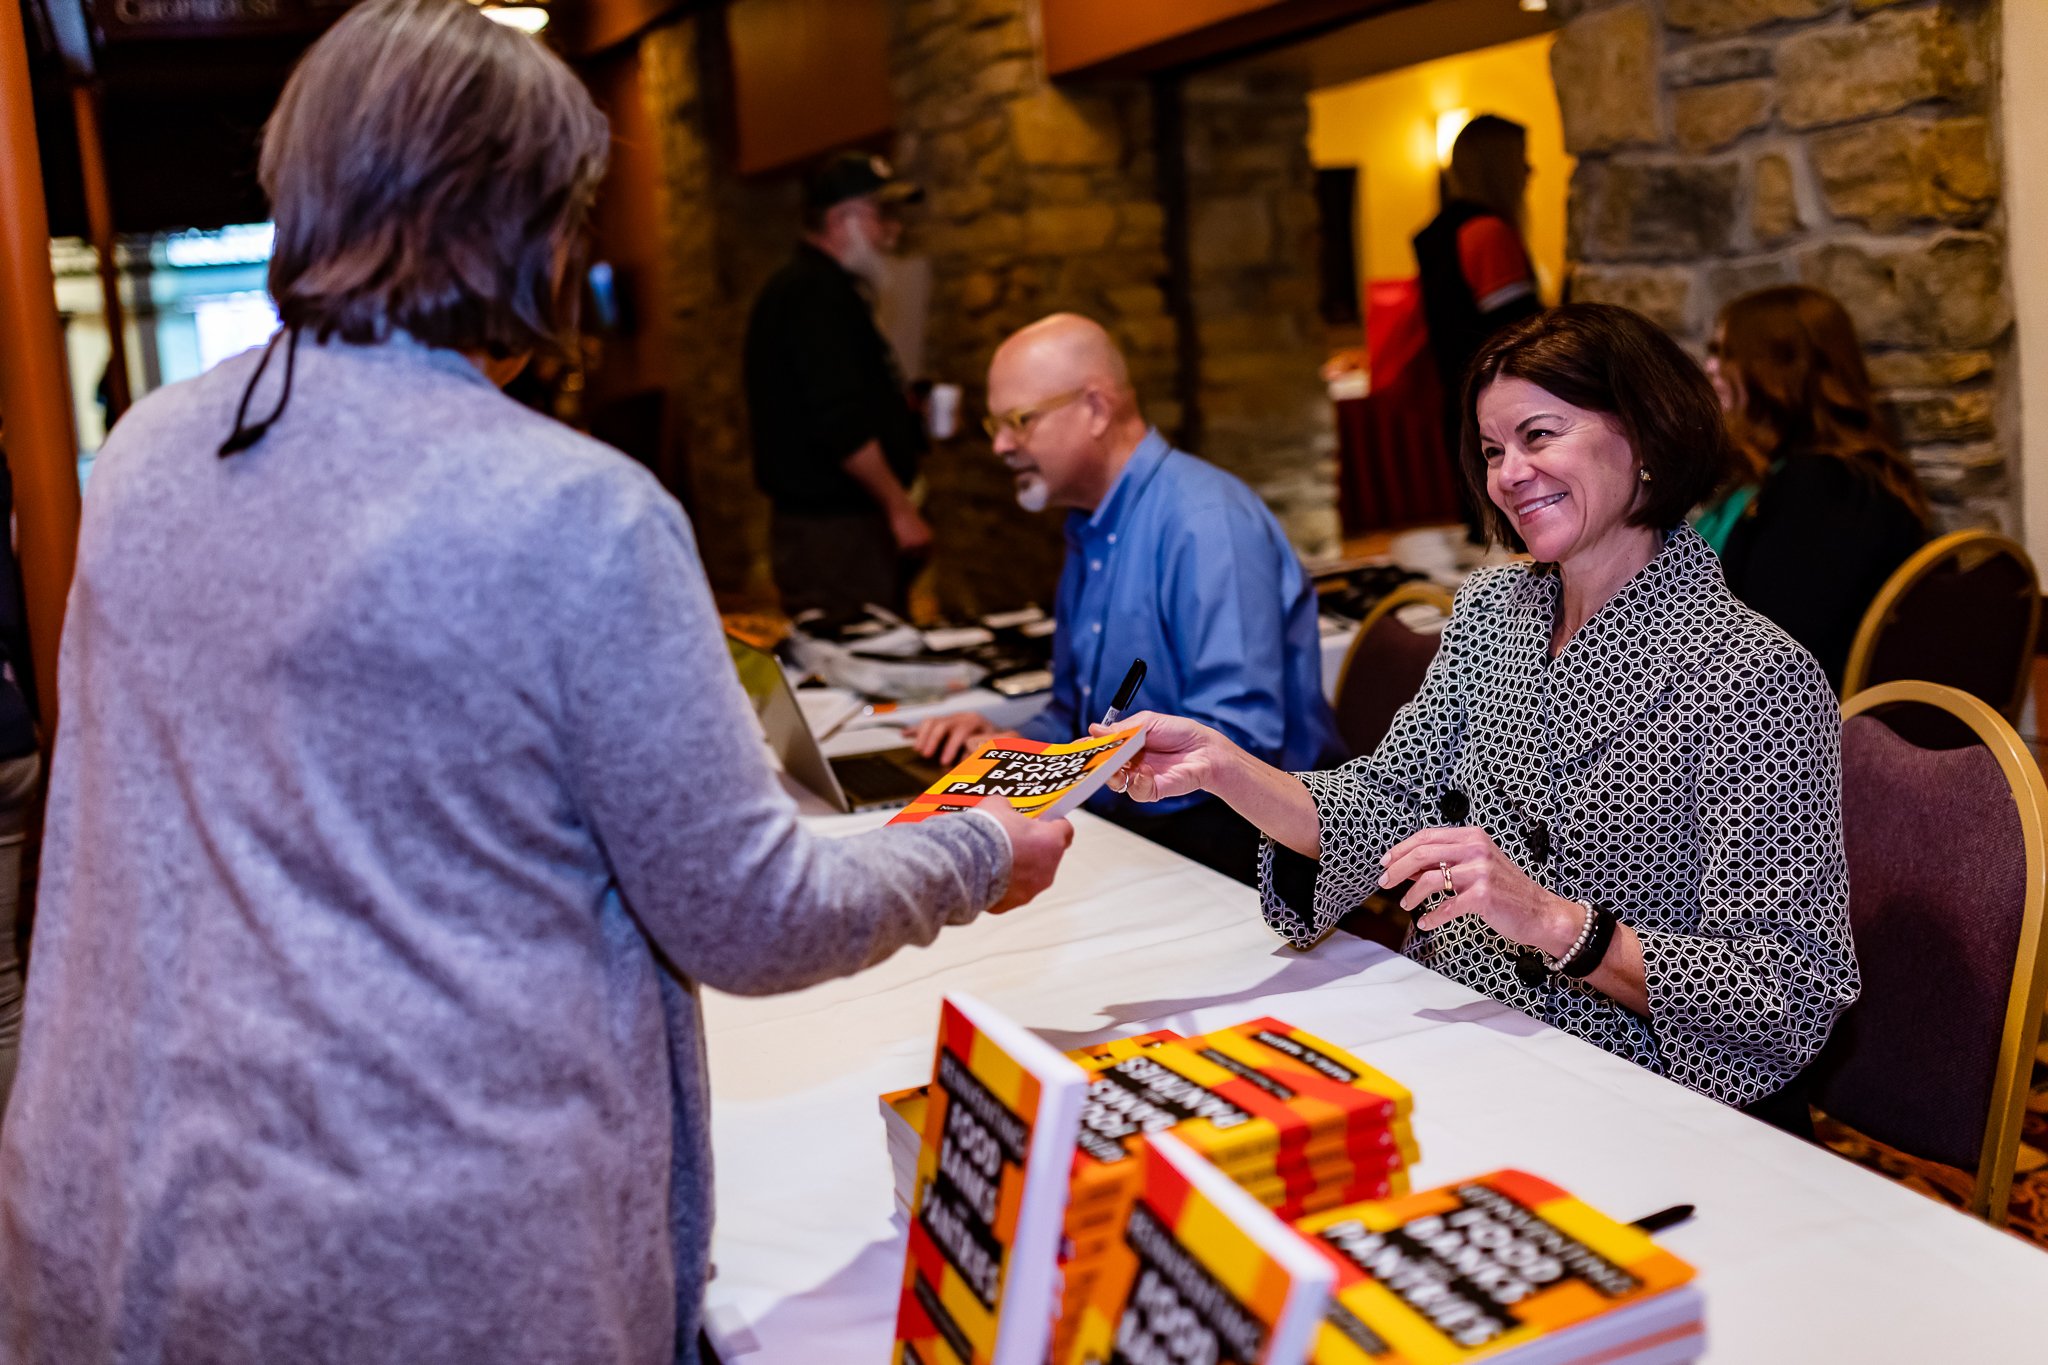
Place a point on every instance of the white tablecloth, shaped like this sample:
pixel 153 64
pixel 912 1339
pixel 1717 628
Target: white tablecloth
pixel 1803 1257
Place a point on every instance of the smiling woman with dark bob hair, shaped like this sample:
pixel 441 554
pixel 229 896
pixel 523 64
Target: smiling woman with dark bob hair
pixel 1618 793
pixel 405 794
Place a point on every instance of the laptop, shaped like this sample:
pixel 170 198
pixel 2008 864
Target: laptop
pixel 875 781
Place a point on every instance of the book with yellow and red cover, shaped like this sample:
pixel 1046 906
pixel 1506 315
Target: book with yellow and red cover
pixel 1295 1122
pixel 1503 1268
pixel 1200 1273
pixel 1252 1115
pixel 1282 1042
pixel 981 1271
pixel 903 1110
pixel 1293 1135
pixel 1038 779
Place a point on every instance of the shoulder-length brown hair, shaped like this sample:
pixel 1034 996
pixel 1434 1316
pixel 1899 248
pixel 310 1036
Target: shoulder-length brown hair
pixel 431 171
pixel 1609 360
pixel 1791 358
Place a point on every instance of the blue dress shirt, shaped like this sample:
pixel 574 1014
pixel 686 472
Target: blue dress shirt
pixel 1182 566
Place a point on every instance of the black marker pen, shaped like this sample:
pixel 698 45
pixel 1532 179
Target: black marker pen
pixel 1126 693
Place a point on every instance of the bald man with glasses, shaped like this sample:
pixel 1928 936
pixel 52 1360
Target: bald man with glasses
pixel 1169 560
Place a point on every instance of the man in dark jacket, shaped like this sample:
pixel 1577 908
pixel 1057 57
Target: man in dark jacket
pixel 836 442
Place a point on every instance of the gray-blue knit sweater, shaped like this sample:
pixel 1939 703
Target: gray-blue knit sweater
pixel 403 791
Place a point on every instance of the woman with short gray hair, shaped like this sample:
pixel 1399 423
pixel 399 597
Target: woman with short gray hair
pixel 405 793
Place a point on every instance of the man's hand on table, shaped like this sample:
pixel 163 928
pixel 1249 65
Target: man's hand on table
pixel 1036 847
pixel 948 737
pixel 913 535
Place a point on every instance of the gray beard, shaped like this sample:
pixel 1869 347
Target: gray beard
pixel 864 260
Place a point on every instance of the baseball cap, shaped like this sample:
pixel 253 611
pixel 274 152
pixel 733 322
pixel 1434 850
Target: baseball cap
pixel 849 175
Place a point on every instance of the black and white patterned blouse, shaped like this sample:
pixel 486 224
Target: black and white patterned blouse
pixel 1678 763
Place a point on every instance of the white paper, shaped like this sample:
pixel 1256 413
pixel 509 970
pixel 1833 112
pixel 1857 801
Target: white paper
pixel 956 637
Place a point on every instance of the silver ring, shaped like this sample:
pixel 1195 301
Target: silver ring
pixel 1450 887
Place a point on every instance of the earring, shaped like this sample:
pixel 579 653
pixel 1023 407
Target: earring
pixel 1644 474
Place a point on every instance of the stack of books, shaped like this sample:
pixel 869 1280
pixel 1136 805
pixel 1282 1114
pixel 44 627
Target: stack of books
pixel 1505 1268
pixel 903 1118
pixel 903 1111
pixel 981 1255
pixel 1241 1196
pixel 1296 1123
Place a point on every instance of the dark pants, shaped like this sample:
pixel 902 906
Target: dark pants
pixel 1209 832
pixel 837 563
pixel 1787 1109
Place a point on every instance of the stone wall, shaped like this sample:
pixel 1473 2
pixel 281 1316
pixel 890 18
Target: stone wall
pixel 1260 409
pixel 1040 199
pixel 1726 145
pixel 721 238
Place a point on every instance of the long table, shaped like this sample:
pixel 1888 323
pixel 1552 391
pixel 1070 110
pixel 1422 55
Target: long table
pixel 1803 1257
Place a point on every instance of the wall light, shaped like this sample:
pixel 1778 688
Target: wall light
pixel 1535 6
pixel 1449 124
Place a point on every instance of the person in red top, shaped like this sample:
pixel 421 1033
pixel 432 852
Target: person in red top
pixel 1496 266
pixel 1475 272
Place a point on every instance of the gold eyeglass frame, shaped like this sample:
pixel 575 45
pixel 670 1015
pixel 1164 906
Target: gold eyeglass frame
pixel 1019 420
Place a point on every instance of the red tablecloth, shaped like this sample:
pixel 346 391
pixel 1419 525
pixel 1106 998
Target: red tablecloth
pixel 1392 468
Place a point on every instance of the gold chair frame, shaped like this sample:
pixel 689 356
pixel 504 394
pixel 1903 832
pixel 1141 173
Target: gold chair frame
pixel 1855 677
pixel 1419 590
pixel 2029 990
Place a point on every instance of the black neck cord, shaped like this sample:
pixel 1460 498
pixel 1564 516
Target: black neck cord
pixel 245 435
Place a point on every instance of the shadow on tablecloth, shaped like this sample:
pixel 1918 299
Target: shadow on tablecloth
pixel 1298 972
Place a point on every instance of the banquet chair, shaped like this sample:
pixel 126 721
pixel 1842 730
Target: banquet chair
pixel 1964 610
pixel 1948 872
pixel 1383 668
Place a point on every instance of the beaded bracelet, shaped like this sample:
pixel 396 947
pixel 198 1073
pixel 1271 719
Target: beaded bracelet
pixel 1571 954
pixel 1593 950
pixel 1586 952
pixel 1534 966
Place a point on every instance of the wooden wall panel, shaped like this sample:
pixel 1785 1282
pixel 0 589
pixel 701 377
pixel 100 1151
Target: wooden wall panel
pixel 1131 36
pixel 626 229
pixel 594 25
pixel 808 76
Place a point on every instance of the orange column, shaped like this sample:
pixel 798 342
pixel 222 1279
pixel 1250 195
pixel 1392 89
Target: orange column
pixel 42 449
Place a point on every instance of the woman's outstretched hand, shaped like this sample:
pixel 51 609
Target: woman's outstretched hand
pixel 1180 756
pixel 1488 884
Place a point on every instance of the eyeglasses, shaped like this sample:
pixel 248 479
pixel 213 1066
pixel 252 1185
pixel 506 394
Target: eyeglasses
pixel 1017 421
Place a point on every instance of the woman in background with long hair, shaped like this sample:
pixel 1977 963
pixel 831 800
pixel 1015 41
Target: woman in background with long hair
pixel 1825 506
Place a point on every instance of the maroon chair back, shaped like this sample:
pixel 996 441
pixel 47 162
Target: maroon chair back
pixel 1937 897
pixel 1962 612
pixel 1383 673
